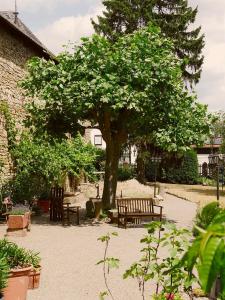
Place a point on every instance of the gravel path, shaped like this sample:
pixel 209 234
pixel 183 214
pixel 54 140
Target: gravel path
pixel 69 255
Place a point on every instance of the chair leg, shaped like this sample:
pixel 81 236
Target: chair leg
pixel 125 222
pixel 68 215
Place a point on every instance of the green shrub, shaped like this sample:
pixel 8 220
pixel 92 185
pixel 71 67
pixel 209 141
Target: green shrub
pixel 206 215
pixel 16 256
pixel 206 181
pixel 42 162
pixel 126 172
pixel 100 160
pixel 187 172
pixel 18 212
pixel 4 272
pixel 177 170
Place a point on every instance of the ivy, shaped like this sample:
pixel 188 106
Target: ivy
pixel 10 125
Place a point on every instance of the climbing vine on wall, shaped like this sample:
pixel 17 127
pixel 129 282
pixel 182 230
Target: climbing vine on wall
pixel 9 125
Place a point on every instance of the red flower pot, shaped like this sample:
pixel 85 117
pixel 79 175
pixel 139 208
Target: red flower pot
pixel 44 205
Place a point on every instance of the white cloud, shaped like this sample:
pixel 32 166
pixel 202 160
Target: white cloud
pixel 34 5
pixel 67 29
pixel 211 16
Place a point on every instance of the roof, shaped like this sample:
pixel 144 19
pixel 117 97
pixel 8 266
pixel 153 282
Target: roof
pixel 216 142
pixel 15 23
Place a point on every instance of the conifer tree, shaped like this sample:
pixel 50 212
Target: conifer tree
pixel 174 17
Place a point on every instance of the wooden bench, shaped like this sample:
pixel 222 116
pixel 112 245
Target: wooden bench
pixel 136 208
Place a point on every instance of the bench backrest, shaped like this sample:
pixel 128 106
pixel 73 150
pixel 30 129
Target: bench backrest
pixel 135 205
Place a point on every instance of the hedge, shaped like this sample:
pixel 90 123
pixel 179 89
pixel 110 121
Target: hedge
pixel 184 170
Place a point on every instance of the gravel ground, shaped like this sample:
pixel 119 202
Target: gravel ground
pixel 69 254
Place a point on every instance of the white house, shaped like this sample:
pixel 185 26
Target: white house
pixel 94 135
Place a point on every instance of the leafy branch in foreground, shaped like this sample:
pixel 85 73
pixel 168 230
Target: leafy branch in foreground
pixel 160 269
pixel 207 255
pixel 164 271
pixel 108 264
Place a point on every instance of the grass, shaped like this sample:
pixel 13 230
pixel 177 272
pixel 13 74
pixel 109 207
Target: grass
pixel 196 193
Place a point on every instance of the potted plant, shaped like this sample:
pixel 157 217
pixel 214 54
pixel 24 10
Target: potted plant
pixel 18 261
pixel 18 220
pixel 44 202
pixel 34 277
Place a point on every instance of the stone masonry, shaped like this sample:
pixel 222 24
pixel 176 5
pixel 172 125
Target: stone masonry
pixel 15 50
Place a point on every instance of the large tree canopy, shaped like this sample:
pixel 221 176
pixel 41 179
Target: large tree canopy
pixel 134 82
pixel 173 17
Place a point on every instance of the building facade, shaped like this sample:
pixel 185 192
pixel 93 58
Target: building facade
pixel 17 46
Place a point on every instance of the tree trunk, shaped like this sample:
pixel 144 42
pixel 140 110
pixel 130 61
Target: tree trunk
pixel 113 149
pixel 115 135
pixel 141 163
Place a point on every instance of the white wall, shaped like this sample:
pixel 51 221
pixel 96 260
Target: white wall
pixel 203 158
pixel 94 135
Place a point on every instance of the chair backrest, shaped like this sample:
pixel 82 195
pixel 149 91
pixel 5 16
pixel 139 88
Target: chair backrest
pixel 56 205
pixel 135 205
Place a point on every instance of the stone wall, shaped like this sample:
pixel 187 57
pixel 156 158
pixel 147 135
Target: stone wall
pixel 14 53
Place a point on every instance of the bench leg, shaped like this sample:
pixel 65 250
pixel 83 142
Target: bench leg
pixel 118 221
pixel 78 216
pixel 125 222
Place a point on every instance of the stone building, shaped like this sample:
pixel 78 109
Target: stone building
pixel 17 45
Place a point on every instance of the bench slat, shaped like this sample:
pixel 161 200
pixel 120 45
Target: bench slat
pixel 136 208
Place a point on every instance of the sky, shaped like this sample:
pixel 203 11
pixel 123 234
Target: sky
pixel 57 22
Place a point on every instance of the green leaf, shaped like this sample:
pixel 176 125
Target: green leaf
pixel 210 262
pixel 113 263
pixel 102 295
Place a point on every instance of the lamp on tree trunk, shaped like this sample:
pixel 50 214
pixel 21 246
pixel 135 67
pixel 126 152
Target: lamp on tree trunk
pixel 217 161
pixel 156 160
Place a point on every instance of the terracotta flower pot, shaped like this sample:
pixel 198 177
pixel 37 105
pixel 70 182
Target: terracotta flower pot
pixel 34 278
pixel 18 221
pixel 44 205
pixel 17 284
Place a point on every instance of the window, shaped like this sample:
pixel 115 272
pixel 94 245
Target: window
pixel 98 140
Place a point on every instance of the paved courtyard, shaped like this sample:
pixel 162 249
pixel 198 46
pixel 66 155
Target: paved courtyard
pixel 69 255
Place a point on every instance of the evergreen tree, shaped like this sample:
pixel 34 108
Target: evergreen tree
pixel 173 17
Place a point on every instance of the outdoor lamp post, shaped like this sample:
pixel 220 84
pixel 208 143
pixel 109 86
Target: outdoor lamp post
pixel 156 160
pixel 217 161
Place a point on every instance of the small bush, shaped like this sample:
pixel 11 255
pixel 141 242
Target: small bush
pixel 125 173
pixel 178 170
pixel 187 172
pixel 206 215
pixel 206 181
pixel 18 257
pixel 18 212
pixel 4 272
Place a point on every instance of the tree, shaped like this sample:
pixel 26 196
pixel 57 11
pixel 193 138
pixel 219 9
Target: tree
pixel 173 17
pixel 133 82
pixel 218 129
